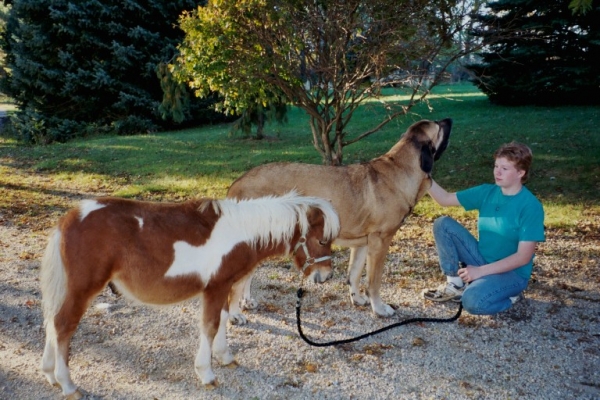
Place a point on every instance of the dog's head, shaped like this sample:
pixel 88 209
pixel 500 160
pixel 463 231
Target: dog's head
pixel 431 138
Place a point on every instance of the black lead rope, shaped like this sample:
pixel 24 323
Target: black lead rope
pixel 357 338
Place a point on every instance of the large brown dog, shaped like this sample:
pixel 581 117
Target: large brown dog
pixel 372 200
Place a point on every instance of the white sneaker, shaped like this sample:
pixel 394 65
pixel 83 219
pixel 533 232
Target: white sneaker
pixel 445 292
pixel 517 298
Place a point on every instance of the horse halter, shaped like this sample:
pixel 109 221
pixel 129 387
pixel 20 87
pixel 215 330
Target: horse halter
pixel 309 260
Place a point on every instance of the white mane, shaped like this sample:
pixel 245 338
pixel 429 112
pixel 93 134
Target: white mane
pixel 275 218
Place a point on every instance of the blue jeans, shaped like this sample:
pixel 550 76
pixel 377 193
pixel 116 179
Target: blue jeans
pixel 484 296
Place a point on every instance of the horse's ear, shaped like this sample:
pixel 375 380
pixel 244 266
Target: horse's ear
pixel 427 157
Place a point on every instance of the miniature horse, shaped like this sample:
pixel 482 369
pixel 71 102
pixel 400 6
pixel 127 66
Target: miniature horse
pixel 166 253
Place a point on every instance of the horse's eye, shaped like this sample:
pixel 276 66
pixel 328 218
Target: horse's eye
pixel 322 242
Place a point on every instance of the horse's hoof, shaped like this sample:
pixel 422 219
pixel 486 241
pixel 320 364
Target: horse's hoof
pixel 76 395
pixel 233 365
pixel 211 385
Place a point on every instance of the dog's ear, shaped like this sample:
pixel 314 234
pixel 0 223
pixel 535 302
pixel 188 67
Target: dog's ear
pixel 427 152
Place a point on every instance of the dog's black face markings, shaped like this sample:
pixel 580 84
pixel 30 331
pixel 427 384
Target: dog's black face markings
pixel 420 139
pixel 445 128
pixel 427 154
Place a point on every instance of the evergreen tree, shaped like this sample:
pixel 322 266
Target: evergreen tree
pixel 539 52
pixel 90 66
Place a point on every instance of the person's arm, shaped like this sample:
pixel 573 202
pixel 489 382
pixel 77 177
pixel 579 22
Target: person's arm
pixel 441 196
pixel 525 251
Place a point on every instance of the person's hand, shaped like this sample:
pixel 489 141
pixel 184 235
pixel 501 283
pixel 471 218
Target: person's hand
pixel 469 273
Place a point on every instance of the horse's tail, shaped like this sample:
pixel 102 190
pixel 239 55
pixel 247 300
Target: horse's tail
pixel 53 279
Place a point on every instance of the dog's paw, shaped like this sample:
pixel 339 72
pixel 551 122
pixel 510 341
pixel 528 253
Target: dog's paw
pixel 238 319
pixel 383 310
pixel 249 304
pixel 358 300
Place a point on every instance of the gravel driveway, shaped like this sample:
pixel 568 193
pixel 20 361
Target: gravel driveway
pixel 546 347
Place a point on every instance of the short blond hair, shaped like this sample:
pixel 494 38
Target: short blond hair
pixel 517 153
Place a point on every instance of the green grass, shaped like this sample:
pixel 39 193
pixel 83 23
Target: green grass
pixel 204 161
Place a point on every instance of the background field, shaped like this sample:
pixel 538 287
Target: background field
pixel 204 161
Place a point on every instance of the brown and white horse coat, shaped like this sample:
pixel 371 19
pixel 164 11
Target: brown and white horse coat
pixel 166 253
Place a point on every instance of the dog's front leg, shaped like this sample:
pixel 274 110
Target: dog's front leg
pixel 239 289
pixel 358 256
pixel 378 246
pixel 247 302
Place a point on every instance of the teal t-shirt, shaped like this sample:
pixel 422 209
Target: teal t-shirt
pixel 504 221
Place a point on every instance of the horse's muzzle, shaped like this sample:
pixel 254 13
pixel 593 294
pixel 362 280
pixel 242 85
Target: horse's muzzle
pixel 320 277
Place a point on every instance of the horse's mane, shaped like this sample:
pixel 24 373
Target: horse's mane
pixel 274 218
